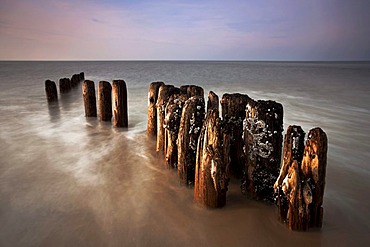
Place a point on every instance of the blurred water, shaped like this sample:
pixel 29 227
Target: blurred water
pixel 70 181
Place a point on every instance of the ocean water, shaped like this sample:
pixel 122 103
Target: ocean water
pixel 70 181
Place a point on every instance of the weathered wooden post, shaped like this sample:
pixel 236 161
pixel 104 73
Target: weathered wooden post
pixel 171 125
pixel 233 114
pixel 293 151
pixel 82 76
pixel 152 110
pixel 212 161
pixel 164 93
pixel 192 90
pixel 314 172
pixel 120 114
pixel 75 79
pixel 212 102
pixel 64 85
pixel 51 90
pixel 105 101
pixel 88 92
pixel 190 125
pixel 263 128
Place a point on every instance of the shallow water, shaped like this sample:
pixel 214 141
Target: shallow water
pixel 70 181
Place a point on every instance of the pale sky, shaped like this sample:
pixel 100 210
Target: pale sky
pixel 190 30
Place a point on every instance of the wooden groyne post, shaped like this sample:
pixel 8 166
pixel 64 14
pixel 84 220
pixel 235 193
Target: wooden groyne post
pixel 64 85
pixel 88 92
pixel 212 162
pixel 212 102
pixel 51 90
pixel 152 109
pixel 190 127
pixel 164 93
pixel 105 101
pixel 263 139
pixel 233 114
pixel 120 113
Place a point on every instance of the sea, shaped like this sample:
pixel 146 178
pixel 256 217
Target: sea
pixel 67 180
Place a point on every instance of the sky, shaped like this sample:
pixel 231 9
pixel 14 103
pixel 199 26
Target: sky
pixel 185 30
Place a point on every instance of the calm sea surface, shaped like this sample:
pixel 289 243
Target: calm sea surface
pixel 70 181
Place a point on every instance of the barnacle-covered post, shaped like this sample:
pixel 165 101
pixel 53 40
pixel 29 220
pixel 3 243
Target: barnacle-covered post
pixel 191 122
pixel 119 98
pixel 171 125
pixel 212 160
pixel 314 172
pixel 88 92
pixel 263 128
pixel 233 114
pixel 212 102
pixel 192 90
pixel 51 90
pixel 105 101
pixel 152 110
pixel 293 151
pixel 164 93
pixel 64 85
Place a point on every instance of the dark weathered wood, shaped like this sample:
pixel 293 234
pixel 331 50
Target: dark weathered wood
pixel 263 128
pixel 171 125
pixel 64 85
pixel 314 172
pixel 105 101
pixel 191 123
pixel 212 161
pixel 293 151
pixel 164 93
pixel 233 114
pixel 75 80
pixel 51 90
pixel 82 76
pixel 119 96
pixel 192 90
pixel 88 92
pixel 213 102
pixel 152 109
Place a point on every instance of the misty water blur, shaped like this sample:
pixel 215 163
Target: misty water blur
pixel 70 181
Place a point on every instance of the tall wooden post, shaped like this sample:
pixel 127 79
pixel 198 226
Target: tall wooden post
pixel 105 101
pixel 82 76
pixel 212 161
pixel 152 110
pixel 191 123
pixel 88 92
pixel 293 151
pixel 164 93
pixel 172 120
pixel 120 113
pixel 192 90
pixel 212 102
pixel 263 128
pixel 314 172
pixel 233 114
pixel 51 90
pixel 64 85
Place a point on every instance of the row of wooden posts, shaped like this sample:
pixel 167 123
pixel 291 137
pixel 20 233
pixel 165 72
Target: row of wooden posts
pixel 246 143
pixel 65 85
pixel 105 91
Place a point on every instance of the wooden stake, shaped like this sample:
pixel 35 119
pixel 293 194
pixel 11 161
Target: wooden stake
pixel 314 172
pixel 293 151
pixel 263 128
pixel 152 110
pixel 192 90
pixel 64 85
pixel 191 123
pixel 212 102
pixel 233 114
pixel 88 92
pixel 120 113
pixel 212 161
pixel 105 101
pixel 51 90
